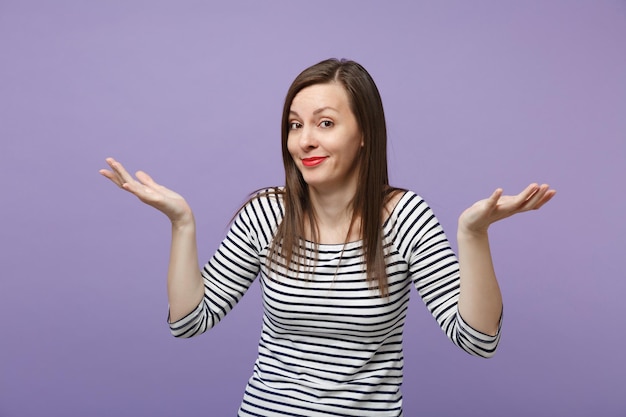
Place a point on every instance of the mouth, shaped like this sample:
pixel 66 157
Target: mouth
pixel 313 161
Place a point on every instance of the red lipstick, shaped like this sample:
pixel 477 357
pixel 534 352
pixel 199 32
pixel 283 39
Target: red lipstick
pixel 313 161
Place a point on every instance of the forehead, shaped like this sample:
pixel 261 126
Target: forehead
pixel 318 96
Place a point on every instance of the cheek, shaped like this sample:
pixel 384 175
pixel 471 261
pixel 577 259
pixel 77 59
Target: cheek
pixel 292 148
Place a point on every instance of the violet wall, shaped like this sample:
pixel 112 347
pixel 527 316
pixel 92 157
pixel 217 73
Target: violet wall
pixel 479 95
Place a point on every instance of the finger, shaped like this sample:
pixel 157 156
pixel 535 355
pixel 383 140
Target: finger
pixel 546 197
pixel 496 194
pixel 492 201
pixel 535 196
pixel 120 171
pixel 530 191
pixel 539 198
pixel 112 176
pixel 108 174
pixel 146 179
pixel 538 195
pixel 141 191
pixel 524 199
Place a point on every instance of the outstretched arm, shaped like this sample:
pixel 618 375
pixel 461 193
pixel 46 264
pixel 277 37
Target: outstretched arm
pixel 480 300
pixel 185 286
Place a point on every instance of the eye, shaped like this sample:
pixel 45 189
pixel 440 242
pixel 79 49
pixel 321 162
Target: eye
pixel 294 125
pixel 326 123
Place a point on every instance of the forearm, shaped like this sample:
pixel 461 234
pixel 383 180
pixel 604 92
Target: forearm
pixel 480 300
pixel 185 287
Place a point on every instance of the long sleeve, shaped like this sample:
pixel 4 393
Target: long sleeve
pixel 434 270
pixel 234 267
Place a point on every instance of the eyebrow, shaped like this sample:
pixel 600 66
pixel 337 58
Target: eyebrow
pixel 315 112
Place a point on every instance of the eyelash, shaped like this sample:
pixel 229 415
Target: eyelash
pixel 324 124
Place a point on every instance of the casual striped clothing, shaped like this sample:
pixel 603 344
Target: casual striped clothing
pixel 330 345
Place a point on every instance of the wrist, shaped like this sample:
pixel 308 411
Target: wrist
pixel 183 222
pixel 464 233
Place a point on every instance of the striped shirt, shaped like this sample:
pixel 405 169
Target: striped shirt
pixel 330 345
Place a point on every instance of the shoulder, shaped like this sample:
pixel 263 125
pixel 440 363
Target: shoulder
pixel 264 206
pixel 411 223
pixel 402 202
pixel 269 195
pixel 409 215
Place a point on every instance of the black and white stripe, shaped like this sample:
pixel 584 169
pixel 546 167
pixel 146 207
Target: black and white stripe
pixel 330 345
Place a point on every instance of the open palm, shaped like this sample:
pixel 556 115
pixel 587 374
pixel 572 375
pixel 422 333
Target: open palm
pixel 478 217
pixel 172 204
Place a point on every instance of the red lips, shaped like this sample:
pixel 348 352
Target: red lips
pixel 313 161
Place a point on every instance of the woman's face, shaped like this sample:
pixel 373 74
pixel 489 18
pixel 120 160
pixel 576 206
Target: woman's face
pixel 324 138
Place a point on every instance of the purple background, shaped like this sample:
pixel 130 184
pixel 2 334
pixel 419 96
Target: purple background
pixel 478 95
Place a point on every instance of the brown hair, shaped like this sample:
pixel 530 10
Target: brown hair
pixel 373 191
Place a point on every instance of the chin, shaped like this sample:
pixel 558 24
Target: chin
pixel 313 182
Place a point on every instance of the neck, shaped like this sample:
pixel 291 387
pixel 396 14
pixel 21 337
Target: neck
pixel 333 215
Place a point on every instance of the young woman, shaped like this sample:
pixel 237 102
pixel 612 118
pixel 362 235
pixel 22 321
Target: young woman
pixel 337 249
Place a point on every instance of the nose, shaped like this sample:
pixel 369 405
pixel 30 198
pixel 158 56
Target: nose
pixel 308 140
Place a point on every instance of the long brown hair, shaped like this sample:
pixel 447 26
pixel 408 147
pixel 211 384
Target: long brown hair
pixel 373 190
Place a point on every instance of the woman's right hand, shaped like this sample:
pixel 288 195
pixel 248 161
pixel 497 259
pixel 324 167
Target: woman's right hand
pixel 172 204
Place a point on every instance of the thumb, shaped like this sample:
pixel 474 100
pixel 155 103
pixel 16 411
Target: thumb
pixel 145 178
pixel 493 199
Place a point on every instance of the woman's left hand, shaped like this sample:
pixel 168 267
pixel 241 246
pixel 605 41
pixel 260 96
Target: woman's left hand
pixel 478 218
